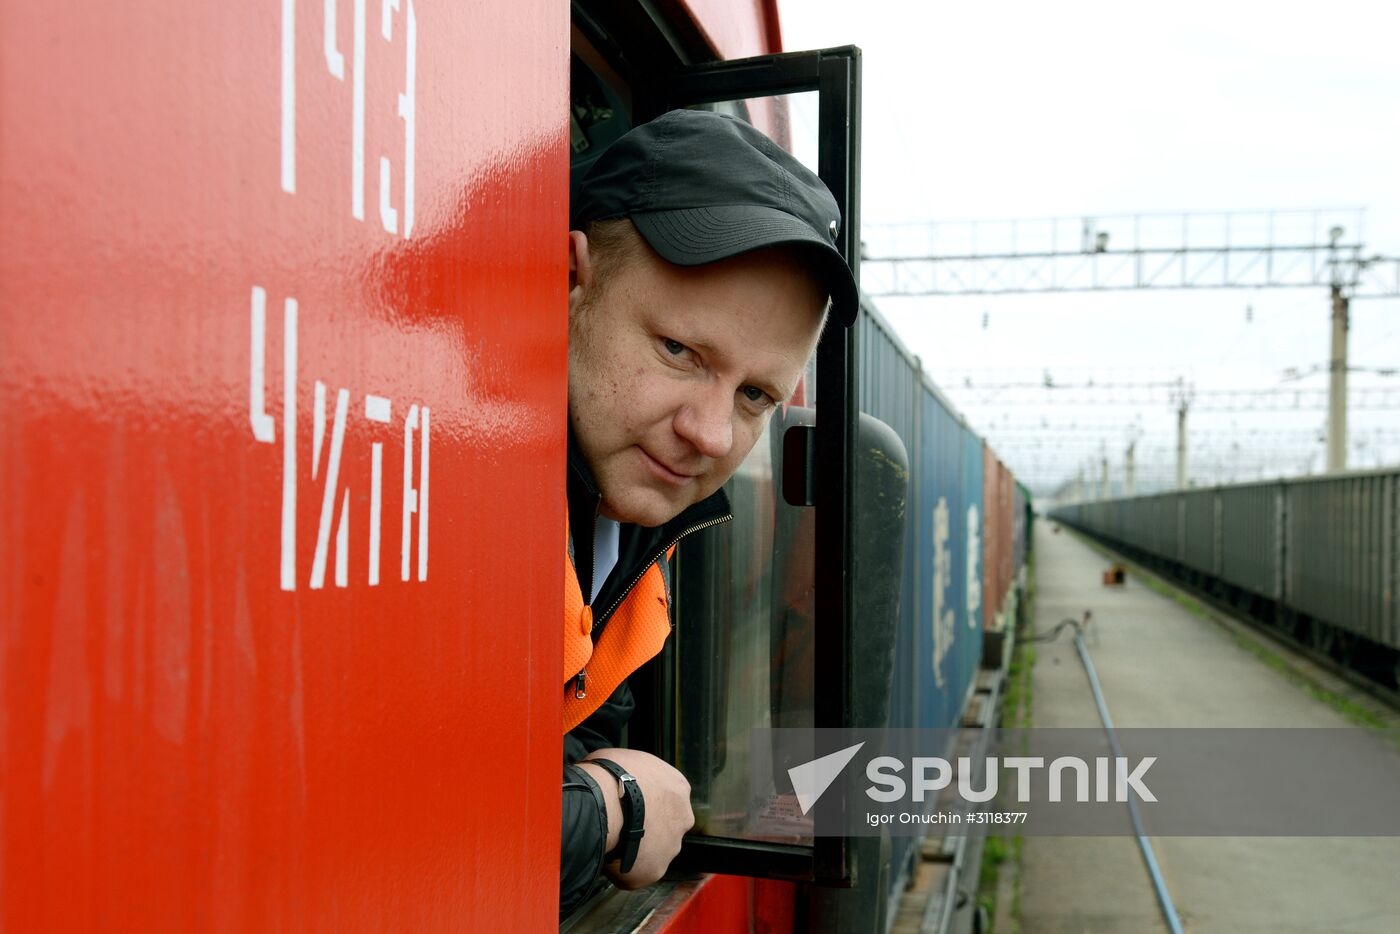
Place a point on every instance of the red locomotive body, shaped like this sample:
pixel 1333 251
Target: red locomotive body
pixel 282 445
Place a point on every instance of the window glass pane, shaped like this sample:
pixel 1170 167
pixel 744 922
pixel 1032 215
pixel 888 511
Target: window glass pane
pixel 744 644
pixel 744 639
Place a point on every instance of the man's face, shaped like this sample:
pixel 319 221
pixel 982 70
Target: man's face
pixel 674 371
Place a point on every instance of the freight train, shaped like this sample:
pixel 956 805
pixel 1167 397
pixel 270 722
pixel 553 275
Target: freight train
pixel 1314 558
pixel 283 448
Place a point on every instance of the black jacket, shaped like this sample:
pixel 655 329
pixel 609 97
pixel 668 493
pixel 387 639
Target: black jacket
pixel 584 830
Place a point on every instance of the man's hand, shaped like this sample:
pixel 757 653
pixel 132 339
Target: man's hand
pixel 668 814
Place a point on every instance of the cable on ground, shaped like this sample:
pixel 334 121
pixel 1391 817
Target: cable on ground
pixel 1159 885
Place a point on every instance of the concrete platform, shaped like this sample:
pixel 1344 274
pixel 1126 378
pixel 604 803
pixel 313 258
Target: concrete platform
pixel 1162 666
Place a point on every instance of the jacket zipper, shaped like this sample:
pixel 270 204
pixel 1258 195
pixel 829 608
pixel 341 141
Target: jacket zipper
pixel 581 679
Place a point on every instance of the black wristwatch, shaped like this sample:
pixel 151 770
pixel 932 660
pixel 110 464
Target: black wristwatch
pixel 634 811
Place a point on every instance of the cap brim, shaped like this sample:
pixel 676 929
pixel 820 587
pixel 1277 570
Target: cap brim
pixel 695 236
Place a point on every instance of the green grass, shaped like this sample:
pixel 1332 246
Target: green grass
pixel 1000 854
pixel 1016 705
pixel 1017 849
pixel 995 852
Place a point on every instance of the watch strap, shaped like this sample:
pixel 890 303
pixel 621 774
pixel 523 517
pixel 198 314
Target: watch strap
pixel 629 840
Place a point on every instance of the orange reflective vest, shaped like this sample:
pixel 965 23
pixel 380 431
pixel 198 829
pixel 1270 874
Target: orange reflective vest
pixel 635 632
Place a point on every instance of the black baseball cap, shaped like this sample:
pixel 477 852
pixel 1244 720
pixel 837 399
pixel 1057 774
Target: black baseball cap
pixel 701 186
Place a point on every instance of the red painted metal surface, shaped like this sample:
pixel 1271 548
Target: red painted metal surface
pixel 711 905
pixel 738 28
pixel 719 904
pixel 774 906
pixel 212 717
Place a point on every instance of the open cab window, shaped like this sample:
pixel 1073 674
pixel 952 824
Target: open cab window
pixel 765 630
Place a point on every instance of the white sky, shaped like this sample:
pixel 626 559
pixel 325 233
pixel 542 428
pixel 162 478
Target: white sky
pixel 1031 110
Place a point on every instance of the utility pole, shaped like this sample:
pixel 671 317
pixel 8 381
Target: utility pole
pixel 1103 478
pixel 1181 445
pixel 1337 387
pixel 1129 470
